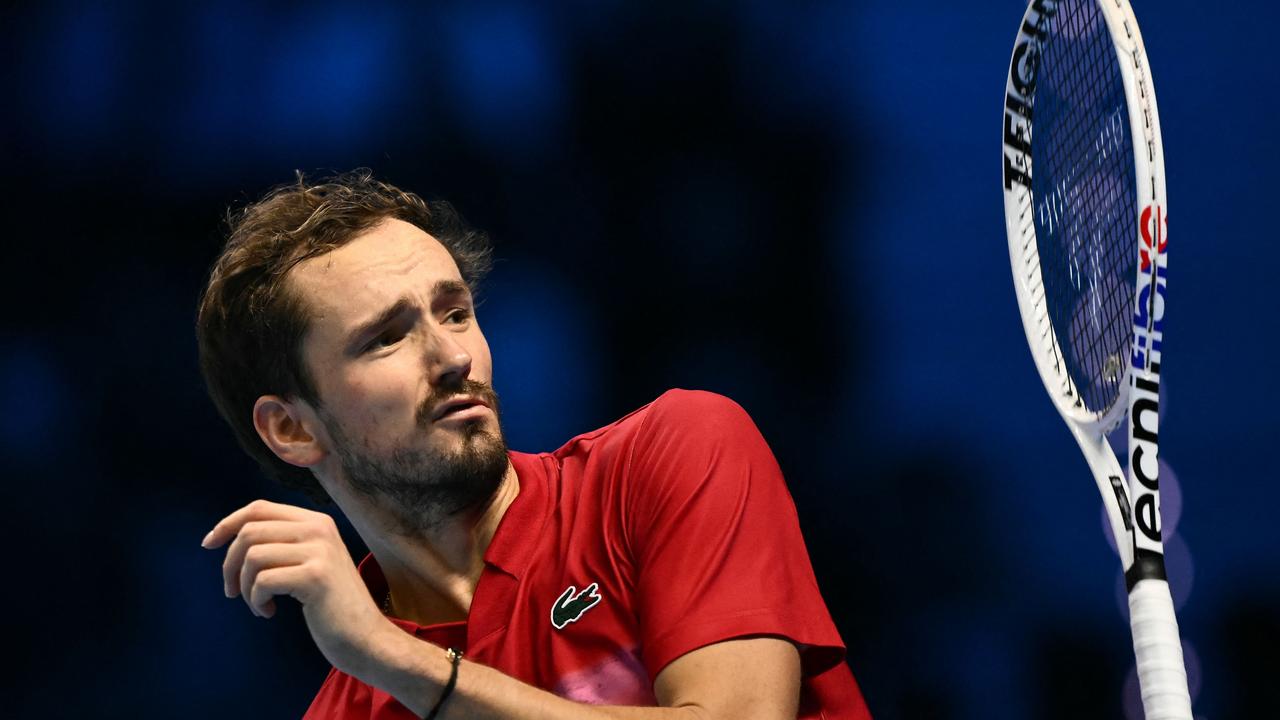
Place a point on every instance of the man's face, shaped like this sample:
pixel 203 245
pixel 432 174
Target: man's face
pixel 402 372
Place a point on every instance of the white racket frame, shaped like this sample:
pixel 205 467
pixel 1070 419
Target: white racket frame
pixel 1132 507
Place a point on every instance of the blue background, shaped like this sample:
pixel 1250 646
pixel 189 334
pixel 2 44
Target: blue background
pixel 794 204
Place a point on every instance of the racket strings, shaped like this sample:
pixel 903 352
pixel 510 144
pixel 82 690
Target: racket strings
pixel 1084 199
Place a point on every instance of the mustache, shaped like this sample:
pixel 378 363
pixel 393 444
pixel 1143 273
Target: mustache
pixel 476 388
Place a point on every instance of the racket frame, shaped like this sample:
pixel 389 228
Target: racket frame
pixel 1087 426
pixel 1132 507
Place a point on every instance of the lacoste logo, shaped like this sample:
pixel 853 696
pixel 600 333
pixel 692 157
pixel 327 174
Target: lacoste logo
pixel 572 604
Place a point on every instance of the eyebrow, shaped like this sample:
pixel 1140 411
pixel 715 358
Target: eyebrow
pixel 399 307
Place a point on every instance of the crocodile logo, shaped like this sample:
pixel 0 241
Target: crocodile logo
pixel 571 604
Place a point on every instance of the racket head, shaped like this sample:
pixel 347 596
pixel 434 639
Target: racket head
pixel 1069 204
pixel 1081 149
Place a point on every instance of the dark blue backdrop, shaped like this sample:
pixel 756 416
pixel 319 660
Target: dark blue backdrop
pixel 795 204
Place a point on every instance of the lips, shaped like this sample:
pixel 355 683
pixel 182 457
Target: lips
pixel 450 407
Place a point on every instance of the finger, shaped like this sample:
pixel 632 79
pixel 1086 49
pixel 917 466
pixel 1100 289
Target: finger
pixel 284 580
pixel 230 525
pixel 265 558
pixel 255 533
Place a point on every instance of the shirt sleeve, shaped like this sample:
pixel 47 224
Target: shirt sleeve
pixel 715 537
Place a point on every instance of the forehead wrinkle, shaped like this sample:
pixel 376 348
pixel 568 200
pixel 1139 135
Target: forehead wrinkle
pixel 343 265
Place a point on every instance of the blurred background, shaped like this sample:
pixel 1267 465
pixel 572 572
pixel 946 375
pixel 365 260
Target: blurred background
pixel 796 204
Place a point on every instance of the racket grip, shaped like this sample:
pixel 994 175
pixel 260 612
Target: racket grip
pixel 1162 675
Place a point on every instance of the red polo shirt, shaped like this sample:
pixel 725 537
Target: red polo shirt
pixel 667 531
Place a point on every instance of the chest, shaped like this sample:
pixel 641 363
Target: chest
pixel 567 623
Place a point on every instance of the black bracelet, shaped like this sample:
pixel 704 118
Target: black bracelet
pixel 455 657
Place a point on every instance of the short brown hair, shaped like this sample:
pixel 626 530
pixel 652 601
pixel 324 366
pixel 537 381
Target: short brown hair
pixel 250 324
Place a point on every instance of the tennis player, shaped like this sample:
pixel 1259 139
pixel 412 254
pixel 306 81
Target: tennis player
pixel 652 568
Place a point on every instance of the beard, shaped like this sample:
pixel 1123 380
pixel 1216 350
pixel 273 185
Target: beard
pixel 420 489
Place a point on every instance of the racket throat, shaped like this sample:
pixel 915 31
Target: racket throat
pixel 1109 477
pixel 1147 565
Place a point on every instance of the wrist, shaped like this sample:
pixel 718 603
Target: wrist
pixel 413 671
pixel 455 658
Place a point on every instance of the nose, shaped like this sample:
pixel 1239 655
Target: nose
pixel 448 362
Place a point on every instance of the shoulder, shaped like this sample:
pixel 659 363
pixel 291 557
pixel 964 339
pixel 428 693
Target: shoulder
pixel 696 445
pixel 695 421
pixel 695 409
pixel 677 414
pixel 682 443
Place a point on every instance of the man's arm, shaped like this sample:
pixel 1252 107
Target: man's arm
pixel 748 678
pixel 285 550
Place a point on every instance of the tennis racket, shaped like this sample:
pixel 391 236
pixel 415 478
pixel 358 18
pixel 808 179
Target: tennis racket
pixel 1085 211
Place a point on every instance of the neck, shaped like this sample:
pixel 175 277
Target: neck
pixel 432 576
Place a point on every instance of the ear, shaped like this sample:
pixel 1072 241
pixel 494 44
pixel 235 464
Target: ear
pixel 287 427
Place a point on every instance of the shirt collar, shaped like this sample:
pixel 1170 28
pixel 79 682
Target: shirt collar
pixel 516 537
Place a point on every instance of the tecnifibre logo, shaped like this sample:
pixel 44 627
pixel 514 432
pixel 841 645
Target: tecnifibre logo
pixel 1019 92
pixel 1144 418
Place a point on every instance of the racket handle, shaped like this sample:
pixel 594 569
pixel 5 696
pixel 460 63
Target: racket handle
pixel 1162 675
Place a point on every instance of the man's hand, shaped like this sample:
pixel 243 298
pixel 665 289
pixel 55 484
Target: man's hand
pixel 287 550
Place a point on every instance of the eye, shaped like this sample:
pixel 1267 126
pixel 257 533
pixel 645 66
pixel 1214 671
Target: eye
pixel 459 316
pixel 385 340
